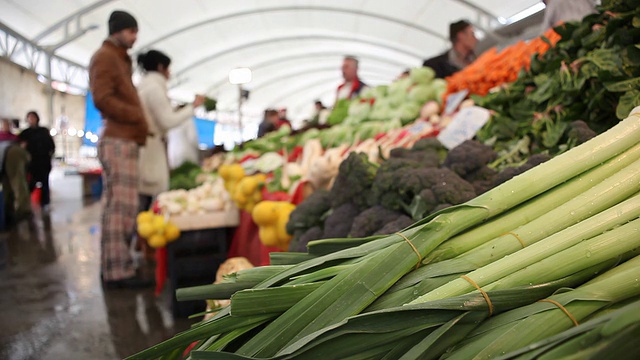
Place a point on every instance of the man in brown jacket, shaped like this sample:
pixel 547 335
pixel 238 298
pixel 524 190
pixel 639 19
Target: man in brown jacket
pixel 125 129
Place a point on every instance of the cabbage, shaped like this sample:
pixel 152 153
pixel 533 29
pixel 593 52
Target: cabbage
pixel 336 135
pixel 308 135
pixel 381 110
pixel 422 75
pixel 399 86
pixel 439 88
pixel 408 112
pixel 339 112
pixel 358 111
pixel 380 91
pixel 420 94
pixel 268 162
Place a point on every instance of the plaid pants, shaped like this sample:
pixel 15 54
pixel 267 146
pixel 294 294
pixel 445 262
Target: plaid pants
pixel 119 160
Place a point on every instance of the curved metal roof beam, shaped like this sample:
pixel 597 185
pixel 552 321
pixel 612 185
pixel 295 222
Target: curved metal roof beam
pixel 477 8
pixel 280 59
pixel 293 38
pixel 284 76
pixel 284 96
pixel 307 86
pixel 75 16
pixel 359 12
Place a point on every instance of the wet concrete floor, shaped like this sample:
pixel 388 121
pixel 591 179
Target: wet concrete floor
pixel 52 304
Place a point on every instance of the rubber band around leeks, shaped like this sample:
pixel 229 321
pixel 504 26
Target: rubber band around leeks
pixel 484 293
pixel 413 247
pixel 564 310
pixel 517 237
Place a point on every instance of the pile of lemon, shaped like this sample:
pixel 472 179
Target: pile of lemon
pixel 231 174
pixel 271 218
pixel 248 193
pixel 156 229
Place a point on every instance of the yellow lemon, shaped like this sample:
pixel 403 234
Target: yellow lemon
pixel 264 213
pixel 248 207
pixel 236 172
pixel 157 241
pixel 257 197
pixel 268 235
pixel 158 223
pixel 171 232
pixel 281 225
pixel 146 229
pixel 248 185
pixel 224 172
pixel 145 216
pixel 239 198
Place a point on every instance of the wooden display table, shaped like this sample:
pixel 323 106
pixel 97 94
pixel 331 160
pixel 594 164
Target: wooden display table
pixel 194 258
pixel 206 220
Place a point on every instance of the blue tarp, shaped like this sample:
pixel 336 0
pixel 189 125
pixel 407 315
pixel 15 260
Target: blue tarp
pixel 93 123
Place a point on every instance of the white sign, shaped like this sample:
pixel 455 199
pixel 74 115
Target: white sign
pixel 464 126
pixel 454 100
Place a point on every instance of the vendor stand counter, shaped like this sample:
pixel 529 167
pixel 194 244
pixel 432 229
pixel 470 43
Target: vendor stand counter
pixel 194 258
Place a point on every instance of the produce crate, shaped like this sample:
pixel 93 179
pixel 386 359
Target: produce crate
pixel 193 260
pixel 210 220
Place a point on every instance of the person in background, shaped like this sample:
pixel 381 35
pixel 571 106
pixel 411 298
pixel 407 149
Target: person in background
pixel 5 131
pixel 125 130
pixel 152 90
pixel 461 54
pixel 352 85
pixel 269 122
pixel 41 148
pixel 318 115
pixel 558 11
pixel 404 74
pixel 14 160
pixel 282 118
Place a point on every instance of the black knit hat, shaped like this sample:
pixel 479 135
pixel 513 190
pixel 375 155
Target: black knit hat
pixel 120 20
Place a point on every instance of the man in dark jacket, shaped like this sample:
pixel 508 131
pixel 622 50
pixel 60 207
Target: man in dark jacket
pixel 41 147
pixel 125 130
pixel 460 55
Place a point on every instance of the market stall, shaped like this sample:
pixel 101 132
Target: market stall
pixel 520 242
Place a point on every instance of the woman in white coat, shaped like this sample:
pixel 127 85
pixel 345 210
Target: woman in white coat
pixel 152 90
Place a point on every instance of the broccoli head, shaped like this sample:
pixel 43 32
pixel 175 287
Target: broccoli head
pixel 424 158
pixel 449 188
pixel 469 157
pixel 338 223
pixel 372 219
pixel 396 225
pixel 580 132
pixel 313 233
pixel 309 213
pixel 429 152
pixel 511 172
pixel 431 144
pixel 354 180
pixel 446 185
pixel 385 184
pixel 482 179
pixel 441 186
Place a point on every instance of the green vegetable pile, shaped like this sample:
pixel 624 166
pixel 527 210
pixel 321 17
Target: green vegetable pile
pixel 184 176
pixel 370 199
pixel 401 100
pixel 592 74
pixel 510 272
pixel 333 136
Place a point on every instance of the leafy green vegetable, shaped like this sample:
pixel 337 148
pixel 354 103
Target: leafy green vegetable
pixel 592 74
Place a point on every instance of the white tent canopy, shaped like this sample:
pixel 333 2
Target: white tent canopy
pixel 294 47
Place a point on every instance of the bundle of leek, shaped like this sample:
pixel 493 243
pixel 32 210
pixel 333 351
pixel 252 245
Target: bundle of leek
pixel 325 289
